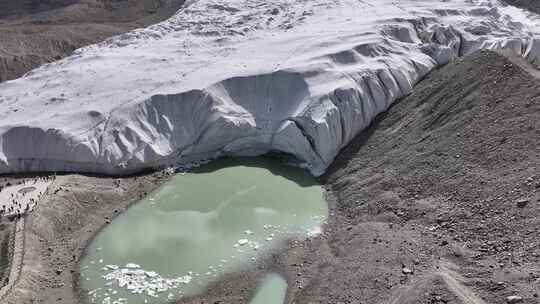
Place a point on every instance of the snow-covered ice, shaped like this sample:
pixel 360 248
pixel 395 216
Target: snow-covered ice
pixel 242 77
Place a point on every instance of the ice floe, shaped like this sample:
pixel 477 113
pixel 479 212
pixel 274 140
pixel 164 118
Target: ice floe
pixel 140 281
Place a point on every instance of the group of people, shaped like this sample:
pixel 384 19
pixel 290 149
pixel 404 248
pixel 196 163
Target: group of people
pixel 16 209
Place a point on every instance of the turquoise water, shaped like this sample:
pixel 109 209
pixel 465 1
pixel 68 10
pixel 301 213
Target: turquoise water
pixel 272 291
pixel 217 219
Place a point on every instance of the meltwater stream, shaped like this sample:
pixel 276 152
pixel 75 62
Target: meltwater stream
pixel 217 219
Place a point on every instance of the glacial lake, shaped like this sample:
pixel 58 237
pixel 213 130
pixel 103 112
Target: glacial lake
pixel 219 218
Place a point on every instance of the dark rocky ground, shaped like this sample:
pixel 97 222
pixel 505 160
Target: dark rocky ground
pixel 450 177
pixel 531 5
pixel 6 232
pixel 34 32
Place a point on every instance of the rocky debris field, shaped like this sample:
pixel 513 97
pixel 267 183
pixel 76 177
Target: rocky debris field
pixel 36 32
pixel 6 231
pixel 531 5
pixel 449 177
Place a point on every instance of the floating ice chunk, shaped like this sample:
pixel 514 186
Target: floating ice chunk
pixel 151 274
pixel 314 231
pixel 248 232
pixel 185 279
pixel 132 265
pixel 139 281
pixel 242 242
pixel 94 291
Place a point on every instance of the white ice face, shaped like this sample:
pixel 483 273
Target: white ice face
pixel 242 77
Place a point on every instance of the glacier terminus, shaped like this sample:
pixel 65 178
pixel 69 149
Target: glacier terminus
pixel 242 78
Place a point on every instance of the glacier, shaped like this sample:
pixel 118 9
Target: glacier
pixel 242 78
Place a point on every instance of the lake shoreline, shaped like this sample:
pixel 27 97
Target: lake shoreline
pixel 260 201
pixel 79 293
pixel 58 232
pixel 79 207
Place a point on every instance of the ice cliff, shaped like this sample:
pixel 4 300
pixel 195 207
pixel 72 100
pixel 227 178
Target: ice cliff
pixel 242 77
